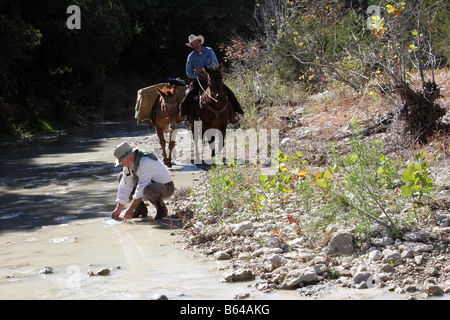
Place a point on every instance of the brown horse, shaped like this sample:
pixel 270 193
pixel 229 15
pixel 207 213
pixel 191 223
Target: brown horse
pixel 165 119
pixel 213 108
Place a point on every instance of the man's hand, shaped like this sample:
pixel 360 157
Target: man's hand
pixel 200 72
pixel 129 213
pixel 116 213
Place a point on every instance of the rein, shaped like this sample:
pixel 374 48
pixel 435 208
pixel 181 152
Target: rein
pixel 209 96
pixel 203 103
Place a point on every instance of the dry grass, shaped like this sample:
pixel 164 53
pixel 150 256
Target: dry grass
pixel 340 105
pixel 328 115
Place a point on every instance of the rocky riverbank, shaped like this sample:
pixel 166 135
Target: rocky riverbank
pixel 270 248
pixel 417 264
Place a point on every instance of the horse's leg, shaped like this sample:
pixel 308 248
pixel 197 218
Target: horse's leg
pixel 159 127
pixel 162 142
pixel 171 146
pixel 172 136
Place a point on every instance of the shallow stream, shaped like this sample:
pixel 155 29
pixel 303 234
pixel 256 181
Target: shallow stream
pixel 54 196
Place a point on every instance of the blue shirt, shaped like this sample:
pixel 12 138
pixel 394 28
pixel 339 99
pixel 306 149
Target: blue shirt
pixel 195 60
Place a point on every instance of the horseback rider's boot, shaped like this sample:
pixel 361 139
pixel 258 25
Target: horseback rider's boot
pixel 187 106
pixel 190 117
pixel 234 118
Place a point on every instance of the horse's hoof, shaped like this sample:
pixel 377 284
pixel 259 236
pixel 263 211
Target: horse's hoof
pixel 168 164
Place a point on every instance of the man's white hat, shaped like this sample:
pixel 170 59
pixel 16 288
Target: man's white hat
pixel 193 37
pixel 122 151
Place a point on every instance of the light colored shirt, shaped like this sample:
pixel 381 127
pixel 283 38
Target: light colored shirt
pixel 149 170
pixel 199 60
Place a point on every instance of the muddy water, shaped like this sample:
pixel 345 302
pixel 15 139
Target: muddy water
pixel 54 196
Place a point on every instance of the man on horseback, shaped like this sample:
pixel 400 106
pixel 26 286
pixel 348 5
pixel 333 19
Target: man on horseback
pixel 202 56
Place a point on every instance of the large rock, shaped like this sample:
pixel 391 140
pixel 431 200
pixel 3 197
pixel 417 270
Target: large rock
pixel 392 256
pixel 240 228
pixel 342 243
pixel 223 255
pixel 383 242
pixel 434 289
pixel 375 255
pixel 419 236
pixel 361 276
pixel 416 247
pixel 46 270
pixel 100 272
pixel 443 218
pixel 276 260
pixel 299 278
pixel 239 275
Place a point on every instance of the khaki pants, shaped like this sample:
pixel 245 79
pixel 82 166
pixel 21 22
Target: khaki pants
pixel 156 193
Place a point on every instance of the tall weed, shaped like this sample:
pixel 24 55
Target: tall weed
pixel 360 189
pixel 225 187
pixel 367 180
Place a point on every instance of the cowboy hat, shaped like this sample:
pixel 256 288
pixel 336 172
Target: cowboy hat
pixel 193 37
pixel 122 151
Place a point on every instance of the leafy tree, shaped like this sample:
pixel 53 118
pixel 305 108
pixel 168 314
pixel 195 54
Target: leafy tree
pixel 379 48
pixel 53 74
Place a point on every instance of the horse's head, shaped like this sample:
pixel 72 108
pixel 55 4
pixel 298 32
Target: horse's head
pixel 215 82
pixel 169 105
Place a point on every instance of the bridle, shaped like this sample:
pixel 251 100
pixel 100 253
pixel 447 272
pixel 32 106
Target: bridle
pixel 203 103
pixel 170 116
pixel 204 91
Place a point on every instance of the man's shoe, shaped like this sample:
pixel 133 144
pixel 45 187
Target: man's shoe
pixel 161 210
pixel 161 213
pixel 140 211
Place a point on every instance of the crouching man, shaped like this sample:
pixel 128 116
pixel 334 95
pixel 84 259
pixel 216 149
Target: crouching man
pixel 143 174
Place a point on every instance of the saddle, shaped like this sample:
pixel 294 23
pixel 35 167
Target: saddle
pixel 146 98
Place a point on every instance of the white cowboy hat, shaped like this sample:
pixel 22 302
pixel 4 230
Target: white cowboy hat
pixel 122 151
pixel 193 37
